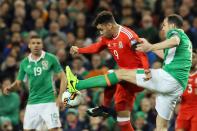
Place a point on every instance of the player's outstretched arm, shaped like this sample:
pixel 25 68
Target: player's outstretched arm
pixel 159 53
pixel 93 48
pixel 14 86
pixel 63 83
pixel 169 43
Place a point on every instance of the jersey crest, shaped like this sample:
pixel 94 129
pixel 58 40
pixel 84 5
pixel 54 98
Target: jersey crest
pixel 45 65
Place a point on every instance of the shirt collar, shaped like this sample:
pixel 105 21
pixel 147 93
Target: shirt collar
pixel 31 60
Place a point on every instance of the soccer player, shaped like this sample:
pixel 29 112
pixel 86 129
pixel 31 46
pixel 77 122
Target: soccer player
pixel 187 116
pixel 39 68
pixel 169 82
pixel 121 42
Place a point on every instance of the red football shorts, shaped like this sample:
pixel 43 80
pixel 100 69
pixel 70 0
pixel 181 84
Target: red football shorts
pixel 124 96
pixel 187 120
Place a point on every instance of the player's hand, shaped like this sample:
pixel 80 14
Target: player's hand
pixel 74 50
pixel 145 46
pixel 147 75
pixel 7 90
pixel 59 102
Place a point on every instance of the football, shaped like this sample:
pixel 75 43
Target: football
pixel 71 99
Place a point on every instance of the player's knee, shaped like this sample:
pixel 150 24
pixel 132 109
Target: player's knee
pixel 125 74
pixel 124 114
pixel 180 130
pixel 54 129
pixel 161 124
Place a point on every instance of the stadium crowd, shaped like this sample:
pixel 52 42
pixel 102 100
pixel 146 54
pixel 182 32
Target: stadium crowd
pixel 64 23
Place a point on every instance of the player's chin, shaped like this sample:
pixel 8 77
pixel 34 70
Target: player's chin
pixel 36 51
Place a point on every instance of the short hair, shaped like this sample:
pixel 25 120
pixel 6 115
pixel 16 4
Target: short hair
pixel 104 17
pixel 175 19
pixel 35 37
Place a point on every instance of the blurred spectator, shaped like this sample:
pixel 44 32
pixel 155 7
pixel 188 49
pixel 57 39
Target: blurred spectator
pixel 82 117
pixel 148 30
pixel 40 29
pixel 53 37
pixel 97 67
pixel 141 123
pixel 97 125
pixel 184 11
pixel 40 6
pixel 62 6
pixel 8 68
pixel 9 105
pixel 107 59
pixel 15 27
pixel 190 33
pixel 77 67
pixel 72 123
pixel 5 124
pixel 81 35
pixel 62 56
pixel 64 23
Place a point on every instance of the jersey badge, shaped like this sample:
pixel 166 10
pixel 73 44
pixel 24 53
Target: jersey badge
pixel 120 45
pixel 45 65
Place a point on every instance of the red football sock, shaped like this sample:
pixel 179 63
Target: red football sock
pixel 108 95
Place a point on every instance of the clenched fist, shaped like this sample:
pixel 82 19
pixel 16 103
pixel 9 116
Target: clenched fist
pixel 74 50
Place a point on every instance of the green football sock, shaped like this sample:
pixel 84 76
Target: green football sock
pixel 98 81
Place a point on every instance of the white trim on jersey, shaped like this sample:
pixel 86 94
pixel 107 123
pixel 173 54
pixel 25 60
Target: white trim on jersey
pixel 170 56
pixel 128 33
pixel 31 60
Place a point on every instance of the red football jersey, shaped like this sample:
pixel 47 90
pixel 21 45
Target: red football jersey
pixel 121 49
pixel 189 97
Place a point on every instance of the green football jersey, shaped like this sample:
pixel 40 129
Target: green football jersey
pixel 178 60
pixel 40 77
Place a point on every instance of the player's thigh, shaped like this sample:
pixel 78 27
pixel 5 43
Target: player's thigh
pixel 54 129
pixel 165 104
pixel 50 114
pixel 123 97
pixel 182 124
pixel 194 126
pixel 161 81
pixel 31 117
pixel 128 75
pixel 194 122
pixel 183 120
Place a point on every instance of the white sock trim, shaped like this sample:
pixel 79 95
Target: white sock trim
pixel 123 119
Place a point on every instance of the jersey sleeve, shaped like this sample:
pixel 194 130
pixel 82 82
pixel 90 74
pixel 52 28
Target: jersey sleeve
pixel 94 48
pixel 21 73
pixel 56 65
pixel 133 44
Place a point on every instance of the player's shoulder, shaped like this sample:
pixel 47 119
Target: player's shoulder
pixel 50 55
pixel 25 60
pixel 127 32
pixel 173 32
